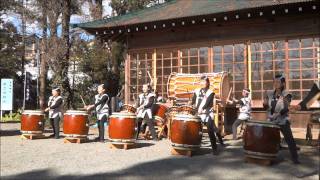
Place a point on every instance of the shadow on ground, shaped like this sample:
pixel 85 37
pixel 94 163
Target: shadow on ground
pixel 9 132
pixel 203 165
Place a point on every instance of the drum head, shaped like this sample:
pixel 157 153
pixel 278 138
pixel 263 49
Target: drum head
pixel 262 123
pixel 186 117
pixel 75 112
pixel 123 115
pixel 128 107
pixel 33 112
pixel 174 108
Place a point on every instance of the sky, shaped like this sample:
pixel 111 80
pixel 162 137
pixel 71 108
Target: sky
pixel 34 27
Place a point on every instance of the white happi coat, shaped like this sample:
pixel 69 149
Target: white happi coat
pixel 281 119
pixel 245 109
pixel 56 112
pixel 203 98
pixel 144 100
pixel 102 109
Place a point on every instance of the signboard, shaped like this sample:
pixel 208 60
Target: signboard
pixel 6 94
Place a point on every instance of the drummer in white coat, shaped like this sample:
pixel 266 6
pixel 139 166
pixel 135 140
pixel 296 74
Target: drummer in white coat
pixel 55 105
pixel 144 113
pixel 102 110
pixel 277 103
pixel 202 100
pixel 245 110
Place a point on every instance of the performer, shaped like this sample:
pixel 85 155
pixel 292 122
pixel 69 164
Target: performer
pixel 144 104
pixel 245 110
pixel 202 100
pixel 277 104
pixel 102 109
pixel 55 105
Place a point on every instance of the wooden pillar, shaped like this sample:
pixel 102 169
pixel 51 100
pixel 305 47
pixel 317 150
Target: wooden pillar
pixel 286 64
pixel 210 59
pixel 318 66
pixel 127 80
pixel 154 70
pixel 249 67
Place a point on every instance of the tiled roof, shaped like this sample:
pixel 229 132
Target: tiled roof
pixel 176 9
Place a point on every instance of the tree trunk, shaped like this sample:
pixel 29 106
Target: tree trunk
pixel 43 63
pixel 66 13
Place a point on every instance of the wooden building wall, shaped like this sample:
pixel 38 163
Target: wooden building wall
pixel 207 47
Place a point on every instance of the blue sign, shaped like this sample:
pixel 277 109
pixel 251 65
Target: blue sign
pixel 6 94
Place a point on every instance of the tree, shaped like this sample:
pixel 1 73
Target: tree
pixel 44 51
pixel 10 59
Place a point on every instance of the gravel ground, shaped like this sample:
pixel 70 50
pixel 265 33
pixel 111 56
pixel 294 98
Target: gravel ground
pixel 52 159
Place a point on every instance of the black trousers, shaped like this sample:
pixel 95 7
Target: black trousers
pixel 55 123
pixel 211 131
pixel 101 126
pixel 288 137
pixel 140 127
pixel 235 127
pixel 149 124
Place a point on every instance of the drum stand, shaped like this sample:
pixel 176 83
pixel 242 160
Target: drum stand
pixel 75 139
pixel 181 152
pixel 264 162
pixel 125 146
pixel 31 136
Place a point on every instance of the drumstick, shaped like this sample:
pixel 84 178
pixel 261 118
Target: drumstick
pixel 229 94
pixel 151 81
pixel 83 101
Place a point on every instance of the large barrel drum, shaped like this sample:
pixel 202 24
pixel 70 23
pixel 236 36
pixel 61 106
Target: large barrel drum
pixel 159 112
pixel 181 86
pixel 32 122
pixel 261 140
pixel 122 128
pixel 75 123
pixel 186 132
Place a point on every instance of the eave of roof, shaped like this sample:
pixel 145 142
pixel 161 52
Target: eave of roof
pixel 177 9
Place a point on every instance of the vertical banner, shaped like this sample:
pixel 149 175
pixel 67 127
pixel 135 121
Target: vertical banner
pixel 6 94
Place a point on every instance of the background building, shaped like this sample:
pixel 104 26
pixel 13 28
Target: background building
pixel 252 40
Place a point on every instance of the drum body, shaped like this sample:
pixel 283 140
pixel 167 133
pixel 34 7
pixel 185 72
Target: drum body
pixel 122 128
pixel 128 108
pixel 172 111
pixel 186 132
pixel 181 86
pixel 32 122
pixel 75 123
pixel 159 112
pixel 261 140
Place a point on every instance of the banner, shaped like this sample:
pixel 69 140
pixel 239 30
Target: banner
pixel 6 94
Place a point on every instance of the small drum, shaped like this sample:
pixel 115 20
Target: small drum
pixel 159 112
pixel 187 110
pixel 128 108
pixel 261 140
pixel 75 123
pixel 122 128
pixel 32 122
pixel 186 132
